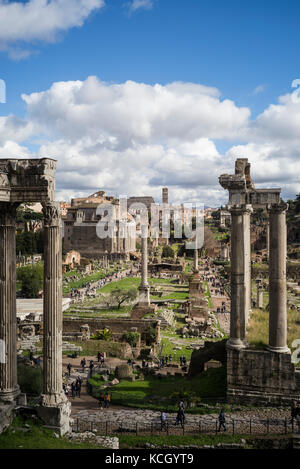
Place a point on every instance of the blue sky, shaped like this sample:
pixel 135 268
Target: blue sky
pixel 247 50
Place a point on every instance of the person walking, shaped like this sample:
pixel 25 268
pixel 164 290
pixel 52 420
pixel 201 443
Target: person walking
pixel 78 386
pixel 69 368
pixel 180 417
pixel 83 363
pixel 91 367
pixel 73 390
pixel 106 400
pixel 163 420
pixel 222 421
pixel 101 400
pixel 293 412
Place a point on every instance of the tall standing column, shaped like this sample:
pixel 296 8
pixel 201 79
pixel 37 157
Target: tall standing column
pixel 247 260
pixel 196 269
pixel 144 289
pixel 52 366
pixel 277 280
pixel 268 238
pixel 9 388
pixel 238 314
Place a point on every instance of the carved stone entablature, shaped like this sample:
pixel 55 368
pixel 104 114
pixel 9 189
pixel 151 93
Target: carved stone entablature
pixel 242 190
pixel 51 214
pixel 27 179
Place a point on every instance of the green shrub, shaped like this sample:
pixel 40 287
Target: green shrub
pixel 131 338
pixel 104 334
pixel 30 379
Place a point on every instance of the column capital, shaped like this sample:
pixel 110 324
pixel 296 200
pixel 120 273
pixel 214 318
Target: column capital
pixel 8 212
pixel 240 209
pixel 51 213
pixel 277 208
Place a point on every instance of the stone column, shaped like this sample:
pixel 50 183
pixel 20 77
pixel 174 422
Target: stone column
pixel 9 388
pixel 277 280
pixel 196 269
pixel 52 366
pixel 240 224
pixel 259 294
pixel 247 260
pixel 268 239
pixel 144 289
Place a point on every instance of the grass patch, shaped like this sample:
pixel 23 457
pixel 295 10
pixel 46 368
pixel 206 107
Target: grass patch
pixel 36 437
pixel 156 393
pixel 258 328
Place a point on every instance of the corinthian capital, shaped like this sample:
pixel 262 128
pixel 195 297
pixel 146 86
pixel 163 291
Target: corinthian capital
pixel 8 213
pixel 51 213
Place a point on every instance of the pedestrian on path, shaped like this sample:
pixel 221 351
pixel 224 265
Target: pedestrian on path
pixel 69 368
pixel 163 421
pixel 222 421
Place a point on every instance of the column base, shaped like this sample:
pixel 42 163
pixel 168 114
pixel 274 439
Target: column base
pixel 9 395
pixel 236 344
pixel 284 349
pixel 57 417
pixel 144 295
pixel 53 400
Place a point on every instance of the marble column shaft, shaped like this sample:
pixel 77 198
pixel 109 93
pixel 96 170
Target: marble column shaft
pixel 9 388
pixel 239 291
pixel 195 260
pixel 277 279
pixel 52 316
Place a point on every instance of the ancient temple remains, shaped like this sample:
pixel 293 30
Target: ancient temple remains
pixel 32 180
pixel 258 376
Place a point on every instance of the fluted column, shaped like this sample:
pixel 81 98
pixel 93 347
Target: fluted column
pixel 247 260
pixel 196 260
pixel 144 289
pixel 52 393
pixel 9 388
pixel 268 238
pixel 240 224
pixel 277 280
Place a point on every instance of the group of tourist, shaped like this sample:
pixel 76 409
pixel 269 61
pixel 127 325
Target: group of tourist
pixel 74 389
pixel 104 400
pixel 163 361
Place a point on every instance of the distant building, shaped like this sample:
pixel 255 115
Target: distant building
pixel 80 228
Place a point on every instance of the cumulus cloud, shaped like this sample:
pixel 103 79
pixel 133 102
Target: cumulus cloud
pixel 133 138
pixel 40 20
pixel 136 112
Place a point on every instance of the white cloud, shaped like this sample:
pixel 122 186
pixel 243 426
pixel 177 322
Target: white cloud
pixel 133 138
pixel 40 20
pixel 139 4
pixel 136 112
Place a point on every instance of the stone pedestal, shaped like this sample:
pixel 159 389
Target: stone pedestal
pixel 277 280
pixel 56 417
pixel 9 388
pixel 260 297
pixel 240 298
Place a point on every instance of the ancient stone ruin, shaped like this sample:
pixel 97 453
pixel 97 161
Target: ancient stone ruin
pixel 31 180
pixel 258 376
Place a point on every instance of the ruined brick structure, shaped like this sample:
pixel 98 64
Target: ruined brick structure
pixel 80 228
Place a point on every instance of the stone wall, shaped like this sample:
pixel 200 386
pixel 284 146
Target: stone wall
pixel 117 326
pixel 261 377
